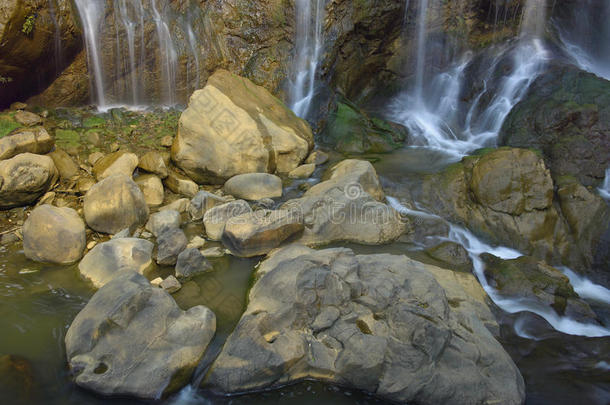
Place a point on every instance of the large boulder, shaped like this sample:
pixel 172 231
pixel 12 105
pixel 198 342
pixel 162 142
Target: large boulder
pixel 504 195
pixel 24 178
pixel 347 207
pixel 254 186
pixel 257 233
pixel 379 323
pixel 109 259
pixel 26 140
pixel 114 204
pixel 132 339
pixel 565 115
pixel 152 189
pixel 54 235
pixel 233 126
pixel 531 281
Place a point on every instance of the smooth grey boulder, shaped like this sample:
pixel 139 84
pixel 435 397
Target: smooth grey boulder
pixel 54 235
pixel 114 204
pixel 132 339
pixel 254 186
pixel 378 323
pixel 257 233
pixel 347 207
pixel 170 243
pixel 162 221
pixel 24 178
pixel 191 263
pixel 215 219
pixel 108 259
pixel 26 140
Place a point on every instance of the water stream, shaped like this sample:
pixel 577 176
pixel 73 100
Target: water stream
pixel 308 48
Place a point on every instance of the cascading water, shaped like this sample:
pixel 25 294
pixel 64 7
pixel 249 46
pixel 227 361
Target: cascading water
pixel 585 34
pixel 308 48
pixel 604 190
pixel 121 74
pixel 435 113
pixel 91 14
pixel 475 247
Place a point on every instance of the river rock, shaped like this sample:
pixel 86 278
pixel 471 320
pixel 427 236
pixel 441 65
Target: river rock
pixel 317 158
pixel 233 126
pixel 162 221
pixel 378 323
pixel 153 162
pixel 54 235
pixel 254 186
pixel 302 172
pixel 132 339
pixel 171 242
pixel 152 189
pixel 106 260
pixel 532 281
pixel 18 380
pixel 181 185
pixel 257 233
pixel 171 284
pixel 506 196
pixel 114 204
pixel 191 263
pixel 215 219
pixel 453 255
pixel 117 163
pixel 181 205
pixel 202 202
pixel 26 140
pixel 347 207
pixel 66 166
pixel 24 178
pixel 29 119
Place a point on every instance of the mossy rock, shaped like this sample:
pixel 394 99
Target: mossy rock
pixel 8 124
pixel 351 130
pixel 67 138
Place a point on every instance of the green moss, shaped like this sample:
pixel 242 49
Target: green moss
pixel 7 124
pixel 28 24
pixel 67 137
pixel 94 122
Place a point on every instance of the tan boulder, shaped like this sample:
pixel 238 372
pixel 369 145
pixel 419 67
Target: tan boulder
pixel 26 140
pixel 121 162
pixel 24 178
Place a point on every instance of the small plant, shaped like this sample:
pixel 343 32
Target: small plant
pixel 28 25
pixel 5 80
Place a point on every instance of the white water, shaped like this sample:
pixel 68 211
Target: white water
pixel 586 36
pixel 475 247
pixel 92 14
pixel 435 113
pixel 308 48
pixel 169 57
pixel 604 190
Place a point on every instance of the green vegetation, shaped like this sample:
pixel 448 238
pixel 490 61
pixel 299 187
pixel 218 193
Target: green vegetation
pixel 5 79
pixel 28 25
pixel 7 125
pixel 67 138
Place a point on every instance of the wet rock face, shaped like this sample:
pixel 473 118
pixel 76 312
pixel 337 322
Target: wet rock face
pixel 379 323
pixel 132 339
pixel 28 38
pixel 234 127
pixel 565 115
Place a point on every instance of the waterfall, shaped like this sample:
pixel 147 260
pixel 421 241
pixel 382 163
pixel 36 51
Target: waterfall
pixel 56 37
pixel 434 110
pixel 308 47
pixel 604 190
pixel 118 38
pixel 169 57
pixel 585 35
pixel 91 13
